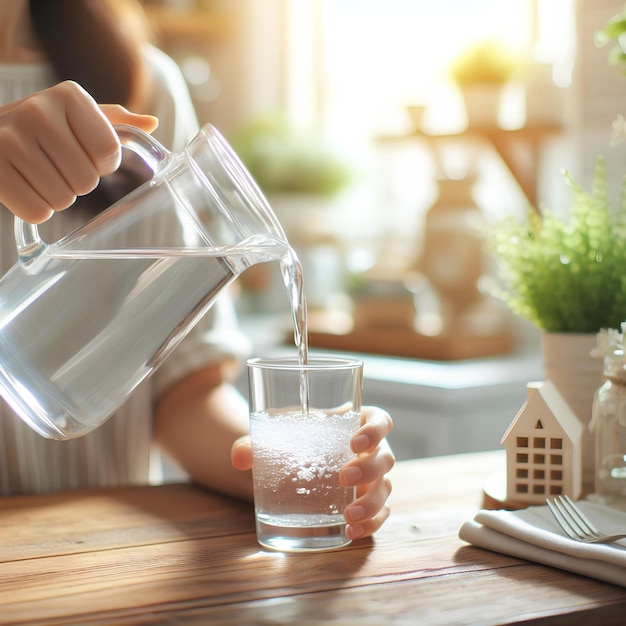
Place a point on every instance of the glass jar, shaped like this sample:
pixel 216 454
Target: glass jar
pixel 609 425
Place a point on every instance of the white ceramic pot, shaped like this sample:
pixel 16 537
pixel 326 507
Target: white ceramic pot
pixel 482 105
pixel 568 363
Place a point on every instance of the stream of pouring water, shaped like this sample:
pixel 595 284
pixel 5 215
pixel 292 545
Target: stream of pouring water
pixel 291 269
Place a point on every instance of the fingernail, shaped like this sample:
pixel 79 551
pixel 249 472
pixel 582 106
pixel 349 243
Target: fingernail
pixel 355 513
pixel 354 532
pixel 351 475
pixel 360 443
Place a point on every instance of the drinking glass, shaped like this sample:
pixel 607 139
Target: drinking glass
pixel 302 417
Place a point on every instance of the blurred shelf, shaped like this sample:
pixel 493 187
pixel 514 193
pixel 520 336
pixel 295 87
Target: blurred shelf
pixel 519 148
pixel 401 343
pixel 171 23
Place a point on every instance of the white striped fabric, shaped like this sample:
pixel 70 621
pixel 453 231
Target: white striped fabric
pixel 118 453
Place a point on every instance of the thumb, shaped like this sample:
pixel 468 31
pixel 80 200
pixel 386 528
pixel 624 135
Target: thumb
pixel 117 114
pixel 241 453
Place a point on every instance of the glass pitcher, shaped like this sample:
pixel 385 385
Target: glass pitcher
pixel 84 320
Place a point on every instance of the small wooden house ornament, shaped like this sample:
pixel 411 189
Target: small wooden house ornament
pixel 543 448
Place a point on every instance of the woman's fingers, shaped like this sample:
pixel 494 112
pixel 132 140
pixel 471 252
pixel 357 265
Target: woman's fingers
pixel 19 196
pixel 55 145
pixel 368 473
pixel 90 132
pixel 375 457
pixel 368 467
pixel 241 453
pixel 376 426
pixel 117 114
pixel 56 168
pixel 367 513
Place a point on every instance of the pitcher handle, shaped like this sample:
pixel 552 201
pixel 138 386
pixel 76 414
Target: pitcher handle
pixel 27 240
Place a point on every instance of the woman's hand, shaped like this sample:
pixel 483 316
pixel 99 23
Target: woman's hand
pixel 55 145
pixel 367 472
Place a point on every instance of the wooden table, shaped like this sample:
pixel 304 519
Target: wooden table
pixel 175 554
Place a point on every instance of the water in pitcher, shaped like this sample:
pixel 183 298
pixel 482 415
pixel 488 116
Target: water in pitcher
pixel 74 384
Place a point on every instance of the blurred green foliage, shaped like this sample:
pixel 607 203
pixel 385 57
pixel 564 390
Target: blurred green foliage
pixel 283 159
pixel 614 31
pixel 566 274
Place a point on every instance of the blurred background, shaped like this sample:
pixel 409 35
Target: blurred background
pixel 356 118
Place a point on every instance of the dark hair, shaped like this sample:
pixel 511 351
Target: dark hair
pixel 97 43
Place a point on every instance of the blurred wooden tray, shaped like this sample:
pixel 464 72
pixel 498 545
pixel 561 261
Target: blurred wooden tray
pixel 406 343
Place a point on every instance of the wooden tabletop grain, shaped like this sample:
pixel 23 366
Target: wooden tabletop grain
pixel 176 554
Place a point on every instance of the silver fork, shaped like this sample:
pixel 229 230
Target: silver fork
pixel 575 524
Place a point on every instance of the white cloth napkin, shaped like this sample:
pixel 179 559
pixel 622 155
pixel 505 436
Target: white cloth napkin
pixel 533 534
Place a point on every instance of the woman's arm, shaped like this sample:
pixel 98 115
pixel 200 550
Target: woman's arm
pixel 196 423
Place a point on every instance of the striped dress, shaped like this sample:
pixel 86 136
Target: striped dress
pixel 121 451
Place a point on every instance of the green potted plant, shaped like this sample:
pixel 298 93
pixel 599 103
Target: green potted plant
pixel 481 71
